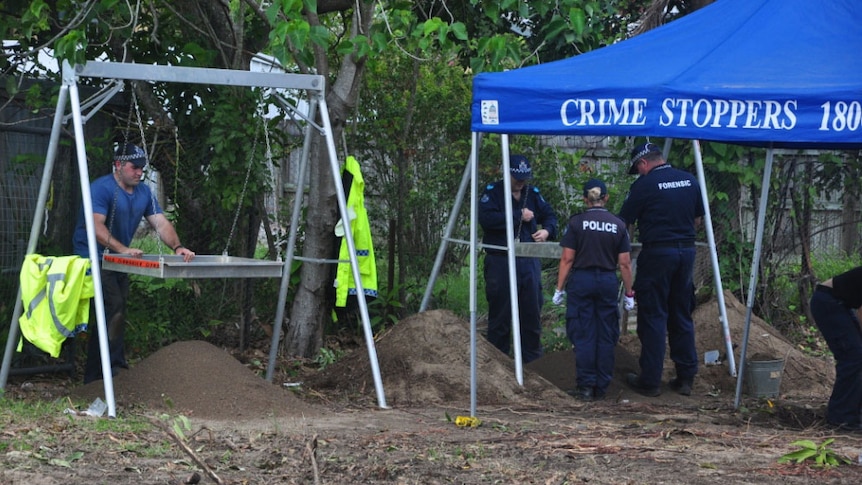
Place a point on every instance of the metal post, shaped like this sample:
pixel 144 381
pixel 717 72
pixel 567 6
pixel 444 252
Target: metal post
pixel 510 253
pixel 710 238
pixel 450 227
pixel 755 265
pixel 291 241
pixel 41 203
pixel 351 248
pixel 474 239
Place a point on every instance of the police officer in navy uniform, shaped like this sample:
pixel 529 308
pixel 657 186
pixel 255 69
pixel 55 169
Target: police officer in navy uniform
pixel 534 220
pixel 665 203
pixel 595 243
pixel 834 306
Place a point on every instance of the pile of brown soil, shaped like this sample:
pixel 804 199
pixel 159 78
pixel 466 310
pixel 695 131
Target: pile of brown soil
pixel 425 360
pixel 200 380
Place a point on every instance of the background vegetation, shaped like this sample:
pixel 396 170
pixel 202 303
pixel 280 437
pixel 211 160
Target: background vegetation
pixel 399 83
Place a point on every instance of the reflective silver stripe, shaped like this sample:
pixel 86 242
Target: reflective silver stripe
pixel 52 281
pixel 35 302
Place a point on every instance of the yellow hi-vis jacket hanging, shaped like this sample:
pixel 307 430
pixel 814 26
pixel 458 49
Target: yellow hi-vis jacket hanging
pixel 56 294
pixel 361 231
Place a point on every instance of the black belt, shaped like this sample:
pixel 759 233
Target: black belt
pixel 668 244
pixel 595 270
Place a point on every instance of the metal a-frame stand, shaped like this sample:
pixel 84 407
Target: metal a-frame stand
pixel 313 84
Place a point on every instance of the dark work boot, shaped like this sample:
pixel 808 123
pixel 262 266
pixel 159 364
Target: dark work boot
pixel 682 385
pixel 633 380
pixel 582 393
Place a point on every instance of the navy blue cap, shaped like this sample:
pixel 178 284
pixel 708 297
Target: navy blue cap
pixel 595 183
pixel 128 152
pixel 519 167
pixel 639 152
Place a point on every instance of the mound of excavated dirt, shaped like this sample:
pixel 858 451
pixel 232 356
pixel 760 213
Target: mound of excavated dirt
pixel 198 379
pixel 425 360
pixel 803 375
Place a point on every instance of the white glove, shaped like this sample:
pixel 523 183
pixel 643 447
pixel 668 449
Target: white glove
pixel 559 297
pixel 629 303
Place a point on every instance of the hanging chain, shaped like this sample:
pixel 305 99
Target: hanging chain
pixel 117 188
pixel 274 177
pixel 111 220
pixel 242 194
pixel 147 155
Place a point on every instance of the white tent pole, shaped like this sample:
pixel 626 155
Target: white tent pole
pixel 41 202
pixel 755 265
pixel 474 248
pixel 351 249
pixel 510 253
pixel 713 256
pixel 450 227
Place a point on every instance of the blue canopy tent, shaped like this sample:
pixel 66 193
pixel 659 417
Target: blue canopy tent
pixel 769 73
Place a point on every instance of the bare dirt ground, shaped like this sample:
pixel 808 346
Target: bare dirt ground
pixel 331 428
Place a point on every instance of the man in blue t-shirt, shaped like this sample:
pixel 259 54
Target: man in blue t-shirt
pixel 665 204
pixel 120 200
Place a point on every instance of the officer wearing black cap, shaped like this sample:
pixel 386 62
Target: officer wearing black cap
pixel 534 220
pixel 665 204
pixel 120 200
pixel 595 243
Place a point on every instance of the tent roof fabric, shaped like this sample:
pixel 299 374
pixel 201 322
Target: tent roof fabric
pixel 782 73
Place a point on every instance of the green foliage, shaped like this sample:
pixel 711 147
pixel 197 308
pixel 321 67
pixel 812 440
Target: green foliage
pixel 820 454
pixel 452 291
pixel 160 311
pixel 555 339
pixel 783 279
pixel 327 357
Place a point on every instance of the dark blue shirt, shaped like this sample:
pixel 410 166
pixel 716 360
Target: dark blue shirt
pixel 598 238
pixel 846 287
pixel 664 204
pixel 123 212
pixel 492 214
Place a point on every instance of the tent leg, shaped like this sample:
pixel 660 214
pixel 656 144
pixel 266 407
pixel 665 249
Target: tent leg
pixel 474 245
pixel 447 234
pixel 713 256
pixel 755 266
pixel 510 253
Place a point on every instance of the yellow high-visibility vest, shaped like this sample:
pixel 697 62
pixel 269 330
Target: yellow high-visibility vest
pixel 55 292
pixel 361 231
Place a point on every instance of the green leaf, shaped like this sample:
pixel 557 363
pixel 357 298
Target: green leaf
pixel 578 20
pixel 807 444
pixel 799 456
pixel 555 27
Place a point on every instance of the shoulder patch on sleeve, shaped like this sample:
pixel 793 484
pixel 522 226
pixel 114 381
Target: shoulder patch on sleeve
pixel 484 198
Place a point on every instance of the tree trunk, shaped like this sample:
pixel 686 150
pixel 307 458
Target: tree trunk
pixel 314 299
pixel 307 316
